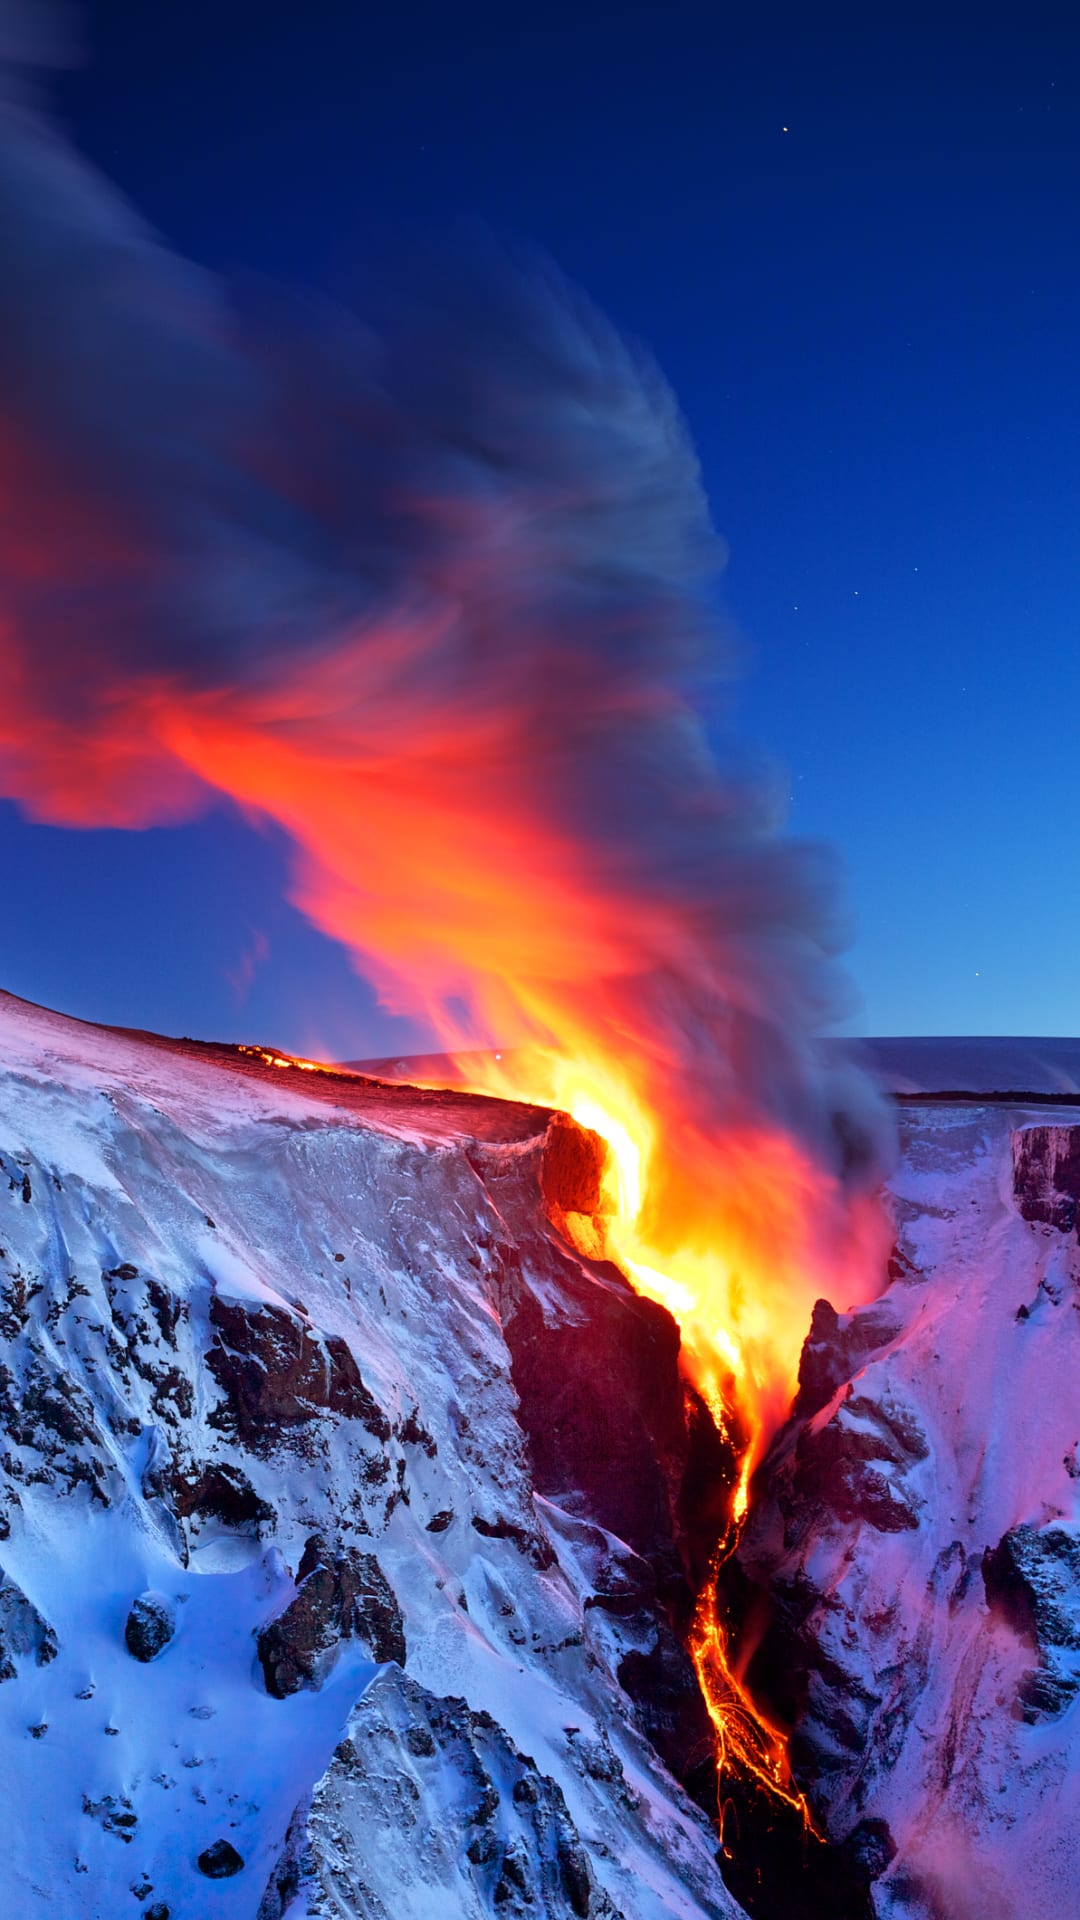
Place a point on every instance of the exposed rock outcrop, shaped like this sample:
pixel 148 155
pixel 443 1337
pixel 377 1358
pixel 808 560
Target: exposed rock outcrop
pixel 276 1375
pixel 616 1435
pixel 836 1346
pixel 1032 1578
pixel 342 1595
pixel 434 1805
pixel 25 1634
pixel 1046 1174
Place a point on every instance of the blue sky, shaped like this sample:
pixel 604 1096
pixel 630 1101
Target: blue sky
pixel 849 238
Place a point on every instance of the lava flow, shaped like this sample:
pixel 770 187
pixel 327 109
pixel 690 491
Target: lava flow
pixel 745 1235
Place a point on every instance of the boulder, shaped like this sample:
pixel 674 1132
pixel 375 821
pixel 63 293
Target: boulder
pixel 150 1626
pixel 220 1860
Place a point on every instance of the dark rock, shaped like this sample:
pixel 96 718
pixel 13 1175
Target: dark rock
pixel 603 1405
pixel 613 1432
pixel 1032 1580
pixel 506 1840
pixel 339 1596
pixel 670 1710
pixel 531 1543
pixel 290 1871
pixel 870 1848
pixel 115 1814
pixel 277 1374
pixel 1044 1695
pixel 836 1346
pixel 623 1583
pixel 440 1521
pixel 837 1466
pixel 574 1873
pixel 220 1860
pixel 1032 1577
pixel 150 1626
pixel 1046 1175
pixel 159 1911
pixel 413 1433
pixel 572 1169
pixel 222 1492
pixel 24 1632
pixel 46 1411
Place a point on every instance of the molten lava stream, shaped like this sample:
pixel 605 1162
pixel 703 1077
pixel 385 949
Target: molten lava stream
pixel 736 1236
pixel 747 1742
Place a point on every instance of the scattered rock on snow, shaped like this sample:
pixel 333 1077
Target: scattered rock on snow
pixel 150 1626
pixel 220 1860
pixel 115 1813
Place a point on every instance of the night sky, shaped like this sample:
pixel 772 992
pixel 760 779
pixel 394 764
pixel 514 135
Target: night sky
pixel 850 241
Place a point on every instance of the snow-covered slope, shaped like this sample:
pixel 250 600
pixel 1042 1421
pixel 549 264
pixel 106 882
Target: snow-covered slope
pixel 343 1512
pixel 918 1528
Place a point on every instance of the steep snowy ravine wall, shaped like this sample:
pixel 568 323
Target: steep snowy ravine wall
pixel 917 1527
pixel 347 1520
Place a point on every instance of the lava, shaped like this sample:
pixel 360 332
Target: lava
pixel 271 1058
pixel 717 1270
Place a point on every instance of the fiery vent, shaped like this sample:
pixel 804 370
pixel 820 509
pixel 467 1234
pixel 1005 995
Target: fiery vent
pixel 735 1245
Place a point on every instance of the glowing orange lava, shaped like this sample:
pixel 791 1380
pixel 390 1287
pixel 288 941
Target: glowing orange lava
pixel 733 1238
pixel 270 1058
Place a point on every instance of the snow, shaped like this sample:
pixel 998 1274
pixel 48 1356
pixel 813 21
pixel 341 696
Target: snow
pixel 984 1808
pixel 356 1211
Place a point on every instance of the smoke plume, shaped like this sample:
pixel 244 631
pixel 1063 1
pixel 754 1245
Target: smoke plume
pixel 429 587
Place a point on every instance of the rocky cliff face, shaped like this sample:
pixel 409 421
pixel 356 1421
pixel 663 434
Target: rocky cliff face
pixel 916 1532
pixel 348 1520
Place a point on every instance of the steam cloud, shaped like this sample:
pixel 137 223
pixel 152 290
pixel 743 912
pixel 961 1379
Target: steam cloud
pixel 431 590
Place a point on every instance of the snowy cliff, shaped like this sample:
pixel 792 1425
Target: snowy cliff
pixel 917 1529
pixel 350 1523
pixel 347 1521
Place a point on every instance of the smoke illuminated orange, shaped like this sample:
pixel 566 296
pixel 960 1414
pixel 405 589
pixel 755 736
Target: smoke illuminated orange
pixel 422 846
